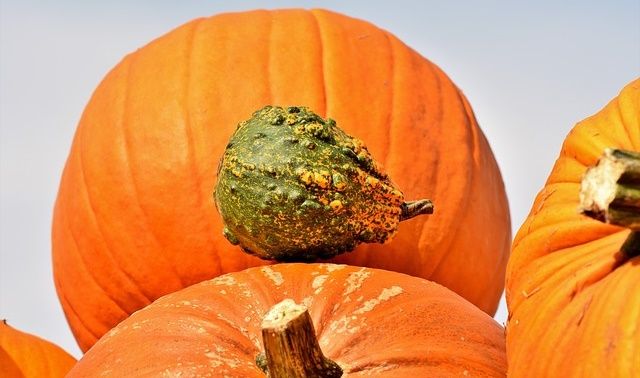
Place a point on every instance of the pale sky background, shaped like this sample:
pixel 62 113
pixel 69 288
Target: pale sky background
pixel 530 70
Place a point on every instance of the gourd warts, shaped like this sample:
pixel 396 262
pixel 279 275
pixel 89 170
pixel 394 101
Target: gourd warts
pixel 293 186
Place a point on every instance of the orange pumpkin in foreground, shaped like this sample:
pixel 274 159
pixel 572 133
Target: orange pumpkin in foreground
pixel 25 355
pixel 572 295
pixel 135 219
pixel 371 322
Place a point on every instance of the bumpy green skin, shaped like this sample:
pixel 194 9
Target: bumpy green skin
pixel 294 187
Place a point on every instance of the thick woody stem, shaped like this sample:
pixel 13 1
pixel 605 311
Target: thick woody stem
pixel 610 192
pixel 412 209
pixel 291 348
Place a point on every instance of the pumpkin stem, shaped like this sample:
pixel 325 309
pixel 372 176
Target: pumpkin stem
pixel 290 344
pixel 610 192
pixel 631 246
pixel 411 209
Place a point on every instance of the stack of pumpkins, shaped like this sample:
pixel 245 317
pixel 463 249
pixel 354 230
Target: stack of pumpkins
pixel 158 279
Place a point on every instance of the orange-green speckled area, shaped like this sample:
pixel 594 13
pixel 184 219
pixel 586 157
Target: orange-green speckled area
pixel 295 187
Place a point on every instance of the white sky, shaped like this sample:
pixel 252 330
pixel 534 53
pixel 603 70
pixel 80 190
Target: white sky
pixel 530 71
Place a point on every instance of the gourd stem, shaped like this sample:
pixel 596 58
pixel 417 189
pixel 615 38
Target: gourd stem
pixel 291 348
pixel 610 192
pixel 412 209
pixel 631 246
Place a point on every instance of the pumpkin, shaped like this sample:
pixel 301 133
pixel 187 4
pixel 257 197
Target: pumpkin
pixel 369 322
pixel 295 187
pixel 26 355
pixel 571 289
pixel 134 217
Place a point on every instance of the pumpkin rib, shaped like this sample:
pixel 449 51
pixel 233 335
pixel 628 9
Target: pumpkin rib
pixel 127 269
pixel 83 266
pixel 387 153
pixel 93 216
pixel 547 266
pixel 424 237
pixel 586 141
pixel 619 115
pixel 387 156
pixel 435 358
pixel 478 142
pixel 26 355
pixel 79 326
pixel 384 158
pixel 89 274
pixel 323 56
pixel 544 268
pixel 558 338
pixel 191 140
pixel 601 309
pixel 128 146
pixel 348 343
pixel 8 366
pixel 629 120
pixel 268 62
pixel 137 286
pixel 559 237
pixel 256 288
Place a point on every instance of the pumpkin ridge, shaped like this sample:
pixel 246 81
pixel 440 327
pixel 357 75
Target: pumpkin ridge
pixel 434 70
pixel 633 128
pixel 450 240
pixel 349 341
pixel 482 143
pixel 29 355
pixel 556 240
pixel 256 287
pixel 590 306
pixel 81 259
pixel 556 272
pixel 314 15
pixel 322 322
pixel 100 232
pixel 124 117
pixel 188 121
pixel 90 274
pixel 386 155
pixel 626 124
pixel 436 357
pixel 73 318
pixel 43 353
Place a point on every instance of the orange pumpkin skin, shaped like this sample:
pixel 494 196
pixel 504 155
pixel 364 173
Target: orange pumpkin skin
pixel 26 355
pixel 134 218
pixel 369 321
pixel 572 296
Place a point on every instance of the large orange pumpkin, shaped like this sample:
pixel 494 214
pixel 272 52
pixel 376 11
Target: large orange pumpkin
pixel 370 322
pixel 28 356
pixel 572 294
pixel 134 217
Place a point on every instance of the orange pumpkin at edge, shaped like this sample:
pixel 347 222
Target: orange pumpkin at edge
pixel 571 292
pixel 134 217
pixel 369 321
pixel 26 355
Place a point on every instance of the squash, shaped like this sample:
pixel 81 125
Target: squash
pixel 295 187
pixel 29 356
pixel 571 282
pixel 134 217
pixel 368 322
